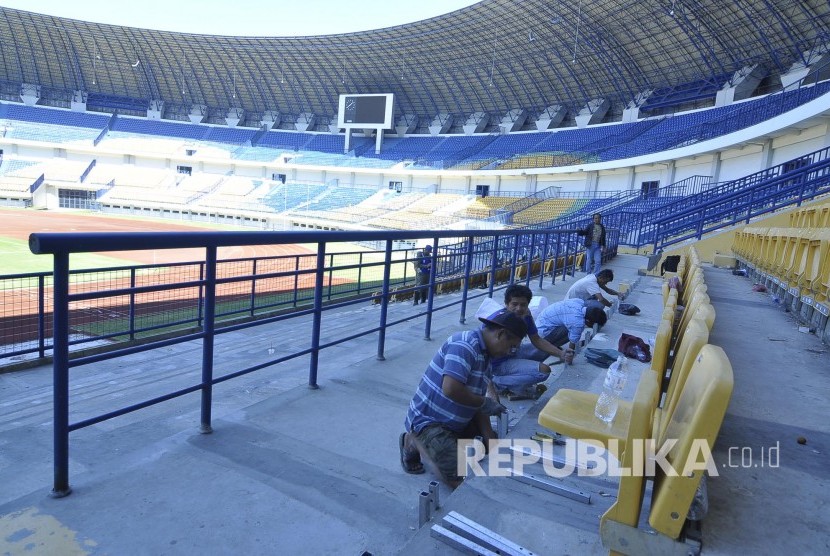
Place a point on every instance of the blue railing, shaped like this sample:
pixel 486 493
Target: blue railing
pixel 788 189
pixel 666 224
pixel 37 183
pixel 89 168
pixel 468 261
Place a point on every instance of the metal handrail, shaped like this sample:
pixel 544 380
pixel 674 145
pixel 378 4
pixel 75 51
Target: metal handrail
pixel 483 257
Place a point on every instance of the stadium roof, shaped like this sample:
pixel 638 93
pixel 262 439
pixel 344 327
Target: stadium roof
pixel 492 56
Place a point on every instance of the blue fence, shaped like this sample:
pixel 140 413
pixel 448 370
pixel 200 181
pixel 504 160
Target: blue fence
pixel 471 263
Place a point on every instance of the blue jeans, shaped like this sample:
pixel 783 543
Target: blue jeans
pixel 593 257
pixel 558 336
pixel 518 375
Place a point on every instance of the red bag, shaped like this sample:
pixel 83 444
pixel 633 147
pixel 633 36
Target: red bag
pixel 634 347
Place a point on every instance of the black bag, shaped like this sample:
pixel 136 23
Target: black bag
pixel 601 357
pixel 628 309
pixel 670 264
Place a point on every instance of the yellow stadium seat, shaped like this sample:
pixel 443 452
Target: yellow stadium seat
pixel 821 286
pixel 571 413
pixel 626 509
pixel 816 245
pixel 698 307
pixel 692 432
pixel 697 419
pixel 662 343
pixel 695 337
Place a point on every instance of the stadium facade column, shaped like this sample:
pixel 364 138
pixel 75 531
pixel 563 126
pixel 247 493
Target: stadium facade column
pixel 716 163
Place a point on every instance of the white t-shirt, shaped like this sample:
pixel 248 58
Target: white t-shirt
pixel 584 288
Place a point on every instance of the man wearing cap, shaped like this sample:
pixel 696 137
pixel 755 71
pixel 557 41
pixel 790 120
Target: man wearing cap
pixel 450 402
pixel 423 266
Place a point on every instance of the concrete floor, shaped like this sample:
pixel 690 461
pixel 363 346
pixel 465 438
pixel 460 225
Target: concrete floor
pixel 289 470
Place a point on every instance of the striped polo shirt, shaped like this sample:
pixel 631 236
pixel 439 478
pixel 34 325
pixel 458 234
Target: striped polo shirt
pixel 463 357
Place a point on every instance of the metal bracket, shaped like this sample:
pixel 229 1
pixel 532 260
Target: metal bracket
pixel 424 508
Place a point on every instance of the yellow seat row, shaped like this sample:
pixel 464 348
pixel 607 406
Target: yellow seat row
pixel 795 261
pixel 683 396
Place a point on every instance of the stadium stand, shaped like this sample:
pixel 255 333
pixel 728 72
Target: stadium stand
pixel 677 111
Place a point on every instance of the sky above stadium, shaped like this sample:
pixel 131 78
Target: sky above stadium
pixel 246 17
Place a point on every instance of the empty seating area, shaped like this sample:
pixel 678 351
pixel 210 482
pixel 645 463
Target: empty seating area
pixel 160 128
pixel 793 262
pixel 142 144
pixel 11 166
pixel 49 133
pixel 289 196
pixel 560 147
pixel 289 140
pixel 427 211
pixel 408 148
pixel 340 197
pixel 126 174
pixel 235 193
pixel 52 116
pixel 681 398
pixel 481 207
pixel 543 211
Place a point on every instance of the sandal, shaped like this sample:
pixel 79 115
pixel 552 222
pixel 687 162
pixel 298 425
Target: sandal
pixel 411 466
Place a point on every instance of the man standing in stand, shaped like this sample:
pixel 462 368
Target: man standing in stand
pixel 423 267
pixel 594 244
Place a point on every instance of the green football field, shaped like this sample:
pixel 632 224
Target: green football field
pixel 16 258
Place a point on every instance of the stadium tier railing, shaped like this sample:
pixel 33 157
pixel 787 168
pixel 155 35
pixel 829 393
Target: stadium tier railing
pixel 101 314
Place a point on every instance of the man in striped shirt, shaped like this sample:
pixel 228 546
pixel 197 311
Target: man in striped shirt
pixel 450 402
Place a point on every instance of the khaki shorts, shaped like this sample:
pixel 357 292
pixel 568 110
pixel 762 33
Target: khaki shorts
pixel 441 446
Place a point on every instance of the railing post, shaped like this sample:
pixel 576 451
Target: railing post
pixel 200 309
pixel 296 279
pixel 208 339
pixel 41 316
pixel 318 314
pixel 568 256
pixel 431 289
pixel 468 266
pixel 530 258
pixel 132 304
pixel 360 271
pixel 555 259
pixel 331 275
pixel 542 261
pixel 494 263
pixel 60 375
pixel 253 285
pixel 514 259
pixel 384 300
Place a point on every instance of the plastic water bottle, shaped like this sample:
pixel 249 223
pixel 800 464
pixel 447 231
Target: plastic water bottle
pixel 612 389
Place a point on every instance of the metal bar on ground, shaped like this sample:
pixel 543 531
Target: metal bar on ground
pixel 479 534
pixel 525 451
pixel 550 486
pixel 458 542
